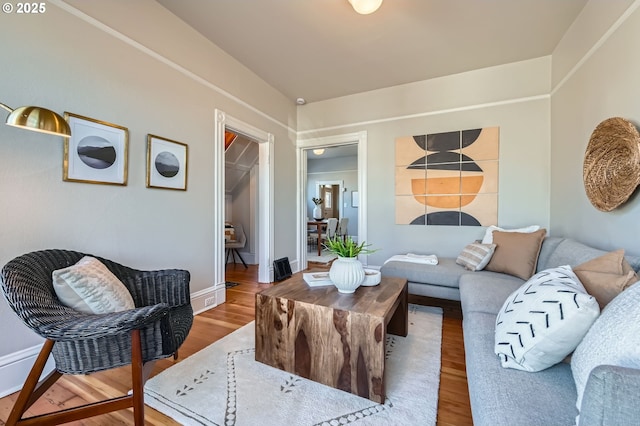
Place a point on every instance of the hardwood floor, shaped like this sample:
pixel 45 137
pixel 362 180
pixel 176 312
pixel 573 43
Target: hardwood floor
pixel 238 310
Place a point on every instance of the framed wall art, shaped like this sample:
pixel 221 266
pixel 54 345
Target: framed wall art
pixel 166 163
pixel 96 151
pixel 355 199
pixel 448 178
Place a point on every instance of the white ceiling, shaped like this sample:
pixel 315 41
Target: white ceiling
pixel 333 152
pixel 239 158
pixel 322 49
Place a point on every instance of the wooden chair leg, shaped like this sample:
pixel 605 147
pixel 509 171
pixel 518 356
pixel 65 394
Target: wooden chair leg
pixel 33 389
pixel 137 378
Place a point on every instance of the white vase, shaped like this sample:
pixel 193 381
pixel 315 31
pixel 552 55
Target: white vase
pixel 346 274
pixel 317 212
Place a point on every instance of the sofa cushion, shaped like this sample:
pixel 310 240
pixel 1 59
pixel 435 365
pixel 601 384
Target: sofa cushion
pixel 612 340
pixel 549 245
pixel 571 252
pixel 606 276
pixel 486 292
pixel 89 287
pixel 611 396
pixel 544 320
pixel 506 397
pixel 446 273
pixel 475 256
pixel 516 253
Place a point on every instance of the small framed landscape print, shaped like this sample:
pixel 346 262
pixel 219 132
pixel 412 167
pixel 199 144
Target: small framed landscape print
pixel 96 151
pixel 166 163
pixel 355 199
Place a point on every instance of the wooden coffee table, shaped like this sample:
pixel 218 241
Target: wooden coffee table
pixel 328 337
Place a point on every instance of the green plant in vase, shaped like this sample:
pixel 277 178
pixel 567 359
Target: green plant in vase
pixel 346 271
pixel 347 247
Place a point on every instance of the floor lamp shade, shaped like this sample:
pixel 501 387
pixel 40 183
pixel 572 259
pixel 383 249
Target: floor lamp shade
pixel 38 119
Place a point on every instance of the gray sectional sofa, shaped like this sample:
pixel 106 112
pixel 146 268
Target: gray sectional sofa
pixel 503 396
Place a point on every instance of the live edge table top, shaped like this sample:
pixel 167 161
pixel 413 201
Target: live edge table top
pixel 329 337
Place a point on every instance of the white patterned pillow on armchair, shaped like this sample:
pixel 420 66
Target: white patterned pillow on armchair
pixel 544 320
pixel 89 287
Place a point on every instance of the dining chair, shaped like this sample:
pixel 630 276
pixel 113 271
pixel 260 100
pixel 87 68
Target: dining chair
pixel 233 246
pixel 330 231
pixel 342 227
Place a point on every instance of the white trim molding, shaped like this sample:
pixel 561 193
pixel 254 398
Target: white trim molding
pixel 265 209
pixel 207 298
pixel 15 367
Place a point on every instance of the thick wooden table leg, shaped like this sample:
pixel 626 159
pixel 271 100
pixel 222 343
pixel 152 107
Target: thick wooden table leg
pixel 399 323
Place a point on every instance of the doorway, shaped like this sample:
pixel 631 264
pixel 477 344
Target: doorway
pixel 304 146
pixel 264 208
pixel 331 194
pixel 241 199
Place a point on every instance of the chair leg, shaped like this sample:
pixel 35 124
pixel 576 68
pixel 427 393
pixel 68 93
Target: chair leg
pixel 32 390
pixel 137 378
pixel 235 251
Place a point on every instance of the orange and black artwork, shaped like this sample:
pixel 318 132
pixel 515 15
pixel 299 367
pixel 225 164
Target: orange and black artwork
pixel 448 178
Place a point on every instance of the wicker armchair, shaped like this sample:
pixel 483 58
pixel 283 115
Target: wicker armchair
pixel 85 343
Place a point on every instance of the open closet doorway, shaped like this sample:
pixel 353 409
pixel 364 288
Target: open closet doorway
pixel 262 223
pixel 331 169
pixel 241 199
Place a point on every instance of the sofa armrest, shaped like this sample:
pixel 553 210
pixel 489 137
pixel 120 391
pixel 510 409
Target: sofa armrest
pixel 611 397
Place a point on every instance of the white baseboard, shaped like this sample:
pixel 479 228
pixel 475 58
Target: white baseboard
pixel 15 367
pixel 208 298
pixel 294 266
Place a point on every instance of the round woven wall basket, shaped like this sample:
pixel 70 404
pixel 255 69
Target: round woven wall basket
pixel 611 170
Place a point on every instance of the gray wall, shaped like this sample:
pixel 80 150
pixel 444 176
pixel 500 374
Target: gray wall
pixel 604 84
pixel 137 73
pixel 514 97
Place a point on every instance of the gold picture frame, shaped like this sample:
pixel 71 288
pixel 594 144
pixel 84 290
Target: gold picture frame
pixel 167 163
pixel 96 151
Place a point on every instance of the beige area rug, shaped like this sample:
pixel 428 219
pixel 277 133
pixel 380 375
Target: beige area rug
pixel 224 385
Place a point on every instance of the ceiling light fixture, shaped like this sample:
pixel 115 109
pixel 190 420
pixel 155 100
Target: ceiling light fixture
pixel 365 7
pixel 318 151
pixel 37 119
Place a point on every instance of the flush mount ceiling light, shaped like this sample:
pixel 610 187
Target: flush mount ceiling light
pixel 318 151
pixel 37 119
pixel 365 7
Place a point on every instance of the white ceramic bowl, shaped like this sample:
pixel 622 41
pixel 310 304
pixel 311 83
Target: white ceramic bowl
pixel 371 277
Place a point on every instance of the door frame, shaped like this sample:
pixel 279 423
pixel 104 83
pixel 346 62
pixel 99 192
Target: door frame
pixel 265 208
pixel 303 145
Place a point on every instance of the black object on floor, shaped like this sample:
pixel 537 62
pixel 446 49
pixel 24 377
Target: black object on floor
pixel 230 284
pixel 281 269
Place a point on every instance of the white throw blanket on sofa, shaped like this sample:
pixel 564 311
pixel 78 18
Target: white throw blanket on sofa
pixel 425 259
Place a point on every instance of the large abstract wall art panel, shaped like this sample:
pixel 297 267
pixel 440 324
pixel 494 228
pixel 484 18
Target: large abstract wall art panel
pixel 448 178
